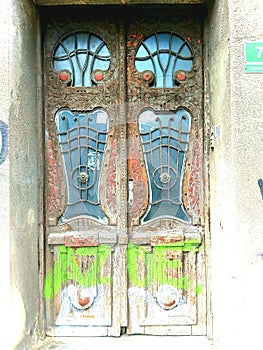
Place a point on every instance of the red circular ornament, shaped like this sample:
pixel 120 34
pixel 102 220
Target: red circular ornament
pixel 181 76
pixel 170 303
pixel 64 76
pixel 98 76
pixel 147 76
pixel 82 299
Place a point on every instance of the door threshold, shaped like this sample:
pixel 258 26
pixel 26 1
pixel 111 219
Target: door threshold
pixel 129 342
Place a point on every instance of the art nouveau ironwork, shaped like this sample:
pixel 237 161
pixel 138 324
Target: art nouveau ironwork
pixel 81 58
pixel 160 56
pixel 165 139
pixel 82 139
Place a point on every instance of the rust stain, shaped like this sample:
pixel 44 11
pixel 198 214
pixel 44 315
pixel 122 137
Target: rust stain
pixel 132 79
pixel 137 172
pixel 161 240
pixel 71 241
pixel 134 39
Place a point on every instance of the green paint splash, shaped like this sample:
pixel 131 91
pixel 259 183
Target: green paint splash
pixel 146 268
pixel 67 268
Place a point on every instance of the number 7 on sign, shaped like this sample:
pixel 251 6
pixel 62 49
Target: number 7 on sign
pixel 260 50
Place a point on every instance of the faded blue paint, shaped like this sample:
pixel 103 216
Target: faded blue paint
pixel 4 143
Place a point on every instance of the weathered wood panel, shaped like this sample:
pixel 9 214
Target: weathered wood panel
pixel 80 286
pixel 162 288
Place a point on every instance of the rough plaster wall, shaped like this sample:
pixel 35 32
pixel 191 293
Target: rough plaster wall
pixel 23 122
pixel 236 106
pixel 4 178
pixel 247 114
pixel 221 197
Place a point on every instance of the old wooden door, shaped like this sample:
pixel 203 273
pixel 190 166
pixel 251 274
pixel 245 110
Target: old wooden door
pixel 124 158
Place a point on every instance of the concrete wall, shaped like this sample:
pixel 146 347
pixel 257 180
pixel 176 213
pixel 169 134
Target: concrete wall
pixel 236 107
pixel 19 174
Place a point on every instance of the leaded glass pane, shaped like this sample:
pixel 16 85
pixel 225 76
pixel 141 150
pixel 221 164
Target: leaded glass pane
pixel 82 138
pixel 81 53
pixel 164 54
pixel 165 139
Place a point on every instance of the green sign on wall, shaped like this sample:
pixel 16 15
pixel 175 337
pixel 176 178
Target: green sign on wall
pixel 254 57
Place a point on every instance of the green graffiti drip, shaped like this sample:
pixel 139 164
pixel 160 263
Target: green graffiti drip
pixel 144 268
pixel 67 268
pixel 198 290
pixel 134 253
pixel 156 267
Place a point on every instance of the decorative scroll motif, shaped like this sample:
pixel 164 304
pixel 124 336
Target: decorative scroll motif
pixel 195 180
pixel 53 183
pixel 165 139
pixel 138 176
pixel 133 80
pixel 81 58
pixel 82 139
pixel 164 59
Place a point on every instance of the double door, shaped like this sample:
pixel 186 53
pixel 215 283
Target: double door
pixel 124 181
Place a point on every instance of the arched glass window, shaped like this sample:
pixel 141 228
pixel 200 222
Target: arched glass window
pixel 81 58
pixel 160 56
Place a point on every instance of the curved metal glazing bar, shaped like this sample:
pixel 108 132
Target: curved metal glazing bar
pixel 165 139
pixel 81 54
pixel 164 54
pixel 82 138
